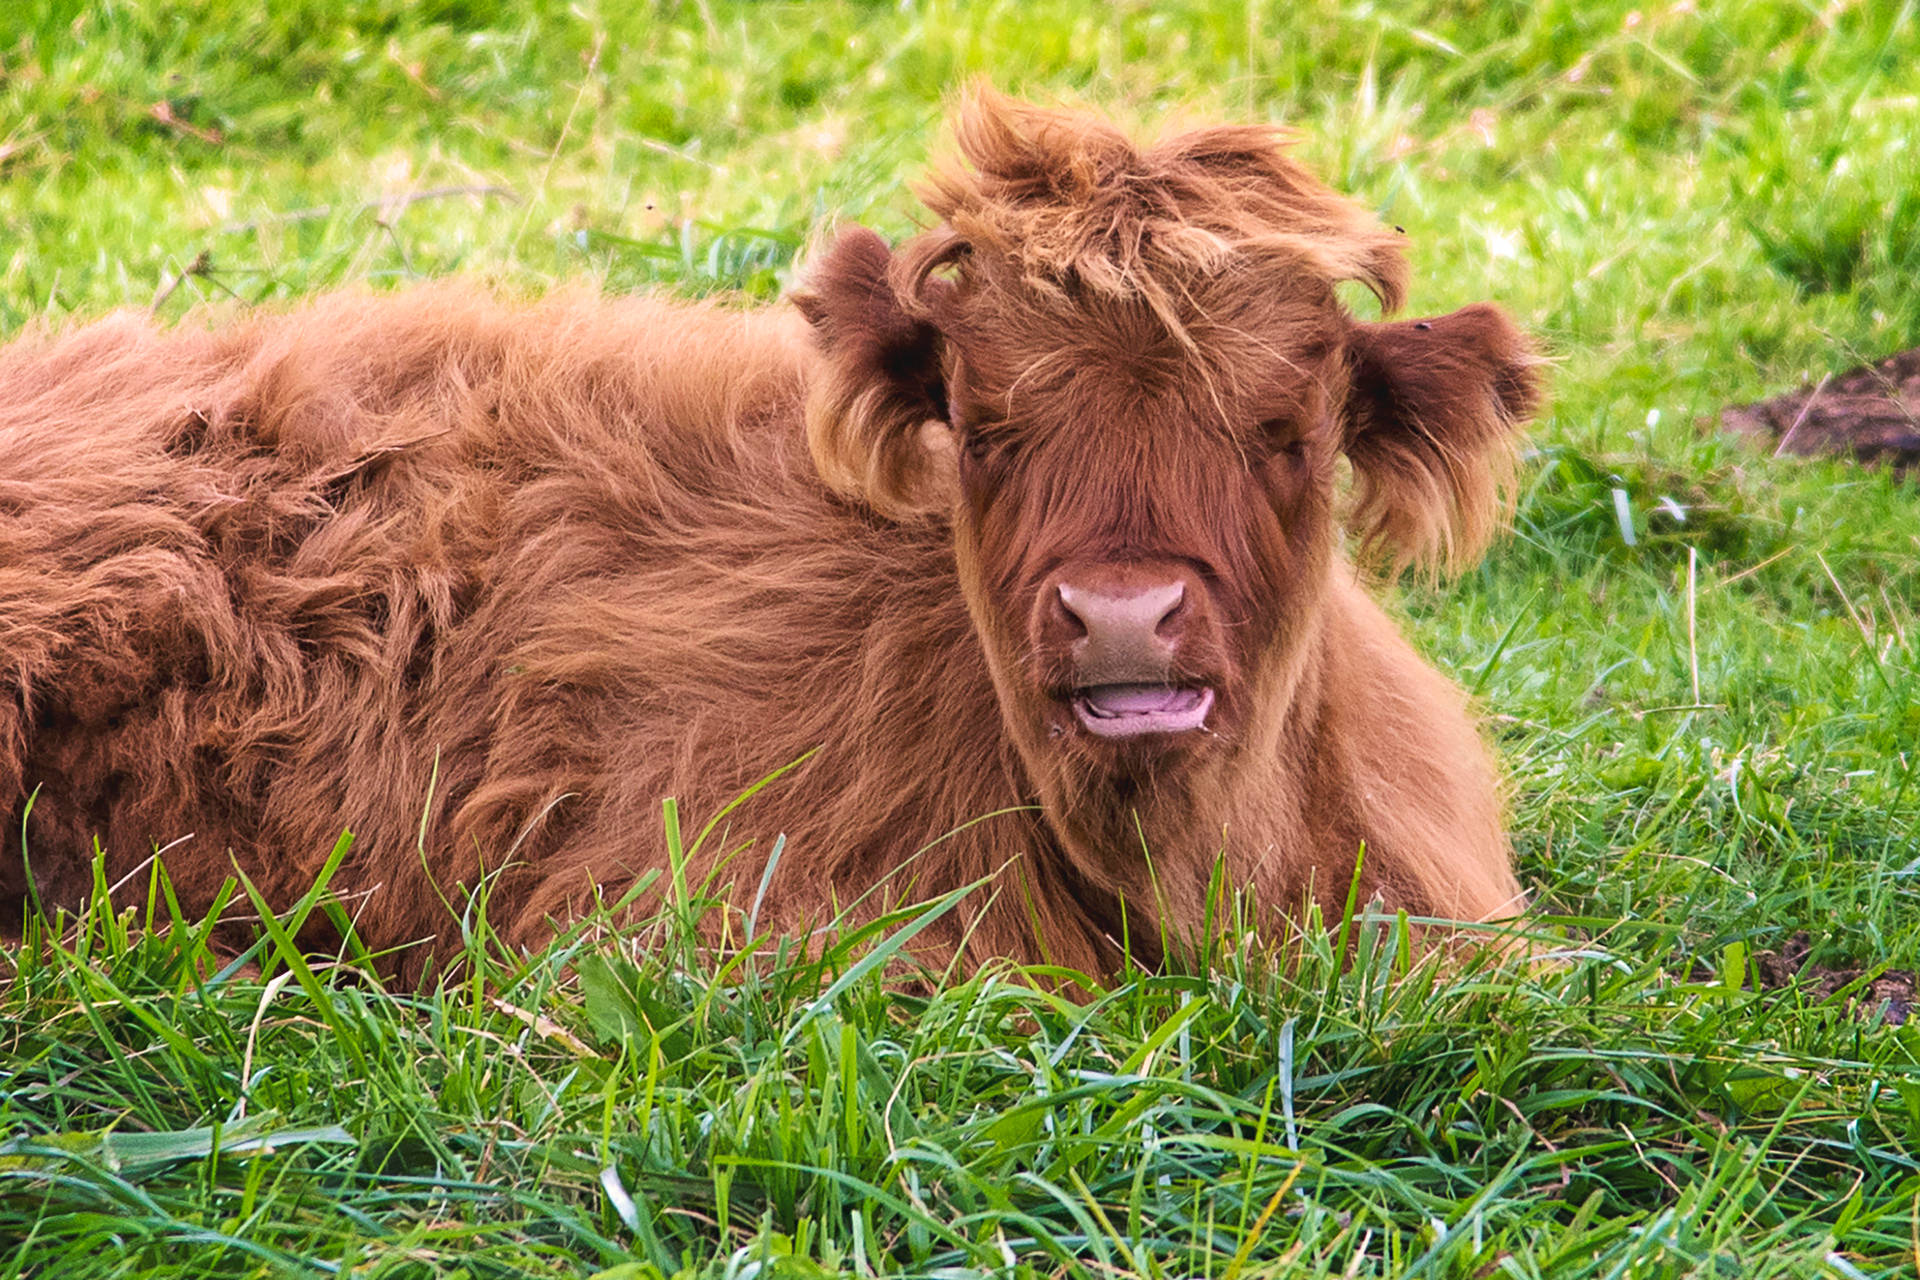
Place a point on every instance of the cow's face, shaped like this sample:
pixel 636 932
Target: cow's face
pixel 1137 447
pixel 1143 517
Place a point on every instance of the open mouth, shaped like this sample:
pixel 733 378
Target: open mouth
pixel 1129 710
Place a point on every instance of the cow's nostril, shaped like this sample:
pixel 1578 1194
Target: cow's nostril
pixel 1175 611
pixel 1075 622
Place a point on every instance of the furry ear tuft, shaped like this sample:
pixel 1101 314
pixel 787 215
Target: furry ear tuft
pixel 1433 419
pixel 879 379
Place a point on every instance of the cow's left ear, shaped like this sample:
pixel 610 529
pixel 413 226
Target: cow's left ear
pixel 880 380
pixel 1433 416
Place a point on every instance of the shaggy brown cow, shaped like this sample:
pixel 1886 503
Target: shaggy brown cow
pixel 1033 521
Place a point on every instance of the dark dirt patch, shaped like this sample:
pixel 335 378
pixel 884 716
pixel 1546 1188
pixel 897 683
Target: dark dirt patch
pixel 1871 413
pixel 1886 995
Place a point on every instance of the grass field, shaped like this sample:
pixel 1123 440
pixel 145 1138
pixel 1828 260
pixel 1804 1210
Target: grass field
pixel 1699 664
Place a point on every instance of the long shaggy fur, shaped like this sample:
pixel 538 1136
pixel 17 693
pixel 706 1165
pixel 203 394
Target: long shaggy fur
pixel 484 582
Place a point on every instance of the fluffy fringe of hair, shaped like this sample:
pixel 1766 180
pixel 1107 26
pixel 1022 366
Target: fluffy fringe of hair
pixel 1071 202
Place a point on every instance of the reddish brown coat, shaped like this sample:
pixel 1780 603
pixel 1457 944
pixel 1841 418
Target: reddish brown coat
pixel 483 582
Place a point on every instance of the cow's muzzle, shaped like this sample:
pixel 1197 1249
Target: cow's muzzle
pixel 1123 631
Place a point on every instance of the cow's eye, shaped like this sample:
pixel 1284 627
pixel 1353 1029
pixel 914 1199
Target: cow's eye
pixel 983 460
pixel 978 443
pixel 1284 438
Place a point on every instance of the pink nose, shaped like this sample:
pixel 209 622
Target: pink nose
pixel 1126 637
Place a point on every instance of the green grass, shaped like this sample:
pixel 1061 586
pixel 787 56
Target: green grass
pixel 1713 728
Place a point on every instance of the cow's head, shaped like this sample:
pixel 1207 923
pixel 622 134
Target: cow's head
pixel 1124 375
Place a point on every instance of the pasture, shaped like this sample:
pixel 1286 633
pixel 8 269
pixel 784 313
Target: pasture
pixel 1697 663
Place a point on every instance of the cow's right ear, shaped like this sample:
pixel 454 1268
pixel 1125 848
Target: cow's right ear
pixel 880 381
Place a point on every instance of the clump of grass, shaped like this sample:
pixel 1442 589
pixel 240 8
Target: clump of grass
pixel 1837 209
pixel 609 1107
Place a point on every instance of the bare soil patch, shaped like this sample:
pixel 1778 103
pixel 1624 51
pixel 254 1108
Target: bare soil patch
pixel 1885 994
pixel 1871 413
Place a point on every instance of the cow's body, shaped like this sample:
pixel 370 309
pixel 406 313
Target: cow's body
pixel 485 582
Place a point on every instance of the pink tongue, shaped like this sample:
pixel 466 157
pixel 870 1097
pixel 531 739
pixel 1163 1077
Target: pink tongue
pixel 1139 699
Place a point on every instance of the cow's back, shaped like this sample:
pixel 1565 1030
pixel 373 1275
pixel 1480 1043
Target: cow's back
pixel 254 581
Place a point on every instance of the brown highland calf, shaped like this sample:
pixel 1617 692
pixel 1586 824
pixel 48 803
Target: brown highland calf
pixel 1033 522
